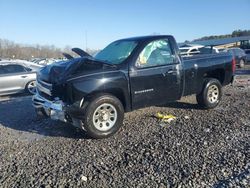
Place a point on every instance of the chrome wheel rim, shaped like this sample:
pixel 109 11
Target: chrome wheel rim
pixel 105 117
pixel 32 87
pixel 213 94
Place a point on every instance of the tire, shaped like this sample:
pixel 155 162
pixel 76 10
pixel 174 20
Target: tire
pixel 31 87
pixel 242 63
pixel 103 116
pixel 211 94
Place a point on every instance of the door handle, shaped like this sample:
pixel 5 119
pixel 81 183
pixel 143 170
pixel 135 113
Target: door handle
pixel 24 76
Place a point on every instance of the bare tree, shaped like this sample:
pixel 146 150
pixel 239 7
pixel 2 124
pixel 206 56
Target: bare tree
pixel 9 49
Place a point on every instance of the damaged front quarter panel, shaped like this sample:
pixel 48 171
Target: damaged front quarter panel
pixel 82 89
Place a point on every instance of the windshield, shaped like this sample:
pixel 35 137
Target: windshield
pixel 116 52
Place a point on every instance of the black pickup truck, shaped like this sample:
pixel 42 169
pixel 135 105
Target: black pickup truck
pixel 94 92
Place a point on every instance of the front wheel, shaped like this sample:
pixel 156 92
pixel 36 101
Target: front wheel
pixel 211 94
pixel 103 116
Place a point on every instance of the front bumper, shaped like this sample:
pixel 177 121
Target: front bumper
pixel 56 110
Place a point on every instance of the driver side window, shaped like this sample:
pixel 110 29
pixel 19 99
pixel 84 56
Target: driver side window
pixel 156 53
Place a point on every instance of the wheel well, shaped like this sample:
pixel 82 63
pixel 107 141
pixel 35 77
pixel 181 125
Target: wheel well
pixel 115 92
pixel 218 74
pixel 27 83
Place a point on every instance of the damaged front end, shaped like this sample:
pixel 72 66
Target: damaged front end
pixel 53 95
pixel 56 109
pixel 60 95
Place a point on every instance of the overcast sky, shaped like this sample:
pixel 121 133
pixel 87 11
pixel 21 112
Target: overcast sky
pixel 71 22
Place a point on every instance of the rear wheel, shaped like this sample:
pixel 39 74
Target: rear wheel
pixel 103 116
pixel 211 94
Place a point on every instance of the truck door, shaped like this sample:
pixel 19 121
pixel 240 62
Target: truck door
pixel 156 77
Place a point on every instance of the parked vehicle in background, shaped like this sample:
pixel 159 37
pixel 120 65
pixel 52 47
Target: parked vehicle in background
pixel 198 50
pixel 28 64
pixel 189 51
pixel 221 50
pixel 16 77
pixel 208 50
pixel 34 59
pixel 93 93
pixel 247 55
pixel 45 61
pixel 245 44
pixel 240 56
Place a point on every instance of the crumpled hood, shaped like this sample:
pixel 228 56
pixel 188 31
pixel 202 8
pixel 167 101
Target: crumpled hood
pixel 59 72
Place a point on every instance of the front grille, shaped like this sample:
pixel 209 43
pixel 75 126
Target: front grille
pixel 44 95
pixel 49 91
pixel 44 89
pixel 45 84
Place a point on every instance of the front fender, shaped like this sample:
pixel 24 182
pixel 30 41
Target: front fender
pixel 114 83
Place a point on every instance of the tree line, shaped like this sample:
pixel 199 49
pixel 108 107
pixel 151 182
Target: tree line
pixel 236 33
pixel 12 50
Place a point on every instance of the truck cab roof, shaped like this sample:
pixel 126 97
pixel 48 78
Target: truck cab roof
pixel 146 38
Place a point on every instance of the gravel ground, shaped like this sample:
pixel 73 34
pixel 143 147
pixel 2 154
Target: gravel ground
pixel 202 148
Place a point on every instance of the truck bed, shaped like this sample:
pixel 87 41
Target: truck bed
pixel 200 66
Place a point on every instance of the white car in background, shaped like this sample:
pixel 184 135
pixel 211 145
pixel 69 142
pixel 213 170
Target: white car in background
pixel 209 50
pixel 196 50
pixel 17 76
pixel 29 64
pixel 189 51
